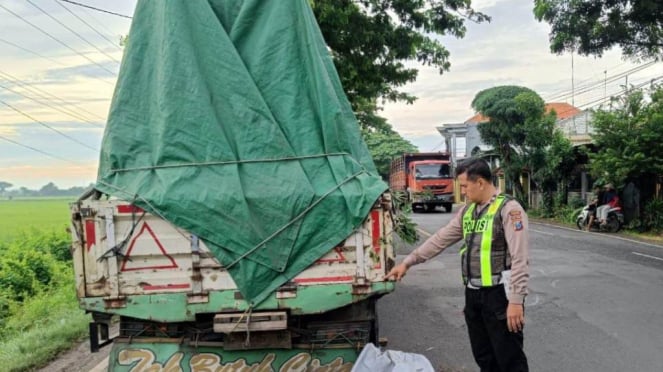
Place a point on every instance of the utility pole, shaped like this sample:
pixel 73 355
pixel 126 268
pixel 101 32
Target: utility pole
pixel 605 84
pixel 573 85
pixel 626 87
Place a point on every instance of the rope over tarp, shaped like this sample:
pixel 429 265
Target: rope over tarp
pixel 250 82
pixel 215 163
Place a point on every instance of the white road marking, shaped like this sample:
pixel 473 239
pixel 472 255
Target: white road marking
pixel 648 256
pixel 427 234
pixel 541 232
pixel 424 232
pixel 607 235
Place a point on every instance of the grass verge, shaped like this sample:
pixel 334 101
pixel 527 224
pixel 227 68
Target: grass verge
pixel 42 327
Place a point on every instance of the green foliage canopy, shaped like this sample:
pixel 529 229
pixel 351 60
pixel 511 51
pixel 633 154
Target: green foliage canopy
pixel 384 147
pixel 4 185
pixel 591 27
pixel 370 40
pixel 518 128
pixel 557 166
pixel 629 137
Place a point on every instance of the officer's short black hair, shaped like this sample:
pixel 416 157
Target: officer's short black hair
pixel 474 168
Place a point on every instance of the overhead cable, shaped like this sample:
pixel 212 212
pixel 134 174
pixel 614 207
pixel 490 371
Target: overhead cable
pixel 601 83
pixel 41 93
pixel 48 126
pixel 57 40
pixel 89 25
pixel 50 59
pixel 37 150
pixel 32 52
pixel 97 9
pixel 73 32
pixel 66 112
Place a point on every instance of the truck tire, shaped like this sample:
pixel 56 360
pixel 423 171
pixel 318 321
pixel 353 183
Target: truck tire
pixel 448 207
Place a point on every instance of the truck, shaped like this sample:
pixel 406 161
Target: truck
pixel 238 222
pixel 425 179
pixel 177 308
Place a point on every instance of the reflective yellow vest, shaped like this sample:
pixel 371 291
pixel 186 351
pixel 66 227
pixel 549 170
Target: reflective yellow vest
pixel 485 244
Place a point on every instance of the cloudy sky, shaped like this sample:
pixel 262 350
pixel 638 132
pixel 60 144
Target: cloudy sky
pixel 59 63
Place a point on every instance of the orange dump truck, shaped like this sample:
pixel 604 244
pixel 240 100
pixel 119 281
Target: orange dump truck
pixel 426 178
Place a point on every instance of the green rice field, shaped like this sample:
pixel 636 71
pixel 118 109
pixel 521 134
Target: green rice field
pixel 22 216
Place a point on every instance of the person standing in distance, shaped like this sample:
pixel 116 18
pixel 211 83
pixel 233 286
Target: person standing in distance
pixel 495 267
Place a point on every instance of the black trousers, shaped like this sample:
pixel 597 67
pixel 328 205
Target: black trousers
pixel 495 349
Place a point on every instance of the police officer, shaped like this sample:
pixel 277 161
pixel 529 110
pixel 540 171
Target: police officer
pixel 494 262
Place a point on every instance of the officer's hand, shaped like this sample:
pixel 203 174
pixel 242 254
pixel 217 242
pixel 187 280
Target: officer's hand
pixel 397 273
pixel 515 317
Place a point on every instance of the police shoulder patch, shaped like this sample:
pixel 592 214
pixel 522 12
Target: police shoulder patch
pixel 518 225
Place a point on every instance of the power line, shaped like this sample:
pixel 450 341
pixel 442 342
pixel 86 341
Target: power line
pixel 97 9
pixel 565 91
pixel 50 59
pixel 612 96
pixel 32 52
pixel 57 40
pixel 39 151
pixel 41 92
pixel 437 146
pixel 99 23
pixel 75 116
pixel 593 85
pixel 616 77
pixel 73 32
pixel 638 86
pixel 89 25
pixel 48 126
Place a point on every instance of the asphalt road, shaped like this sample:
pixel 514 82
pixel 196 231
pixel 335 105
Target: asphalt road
pixel 595 303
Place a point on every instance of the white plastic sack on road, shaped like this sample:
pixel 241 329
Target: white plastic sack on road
pixel 373 359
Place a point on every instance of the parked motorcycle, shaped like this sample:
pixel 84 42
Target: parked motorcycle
pixel 614 222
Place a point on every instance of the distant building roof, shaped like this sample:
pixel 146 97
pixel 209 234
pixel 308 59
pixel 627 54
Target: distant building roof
pixel 562 109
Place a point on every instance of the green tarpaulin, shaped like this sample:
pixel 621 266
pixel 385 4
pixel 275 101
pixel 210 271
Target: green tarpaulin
pixel 229 120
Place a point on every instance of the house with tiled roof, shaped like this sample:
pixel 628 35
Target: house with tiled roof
pixel 468 132
pixel 463 139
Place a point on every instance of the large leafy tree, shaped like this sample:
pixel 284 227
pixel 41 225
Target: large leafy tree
pixel 518 129
pixel 371 40
pixel 628 136
pixel 385 147
pixel 591 27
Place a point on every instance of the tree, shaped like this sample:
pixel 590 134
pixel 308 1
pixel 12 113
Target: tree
pixel 518 129
pixel 629 137
pixel 385 147
pixel 370 40
pixel 591 27
pixel 49 190
pixel 558 165
pixel 4 186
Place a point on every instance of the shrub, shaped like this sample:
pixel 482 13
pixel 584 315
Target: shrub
pixel 55 242
pixel 16 278
pixel 652 216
